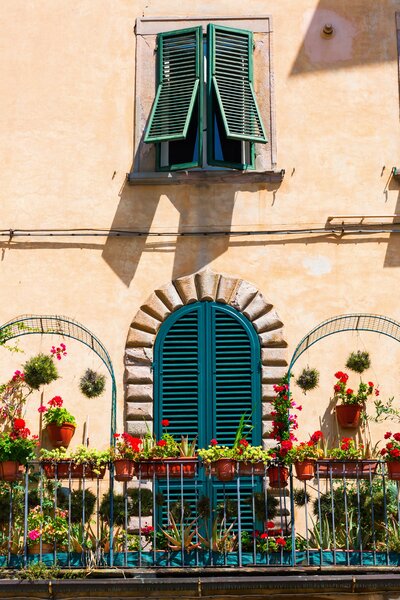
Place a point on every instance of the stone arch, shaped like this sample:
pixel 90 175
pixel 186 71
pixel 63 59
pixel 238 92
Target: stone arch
pixel 201 286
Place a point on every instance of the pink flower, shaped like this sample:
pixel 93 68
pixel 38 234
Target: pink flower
pixel 42 409
pixel 34 534
pixel 300 407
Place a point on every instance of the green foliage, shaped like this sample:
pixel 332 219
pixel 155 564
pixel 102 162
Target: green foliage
pixel 40 370
pixel 299 497
pixel 58 416
pixel 358 361
pixel 146 501
pixel 265 506
pixel 20 449
pixel 384 411
pixel 77 504
pixel 92 384
pixel 181 535
pixel 308 379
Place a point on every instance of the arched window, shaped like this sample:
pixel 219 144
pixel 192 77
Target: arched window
pixel 206 375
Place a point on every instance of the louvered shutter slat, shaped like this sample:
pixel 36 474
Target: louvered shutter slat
pixel 178 88
pixel 230 55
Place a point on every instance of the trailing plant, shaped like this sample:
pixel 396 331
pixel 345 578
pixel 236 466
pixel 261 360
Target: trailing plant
pixel 308 379
pixel 56 415
pixel 284 421
pixel 215 452
pixel 40 370
pixel 384 411
pixel 92 384
pixel 358 361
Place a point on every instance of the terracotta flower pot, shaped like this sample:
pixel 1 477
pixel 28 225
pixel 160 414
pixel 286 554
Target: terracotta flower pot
pixel 305 469
pixel 349 469
pixel 77 471
pixel 184 464
pixel 348 415
pixel 145 469
pixel 248 468
pixel 10 470
pixel 278 476
pixel 225 469
pixel 393 468
pixel 124 469
pixel 60 435
pixel 35 548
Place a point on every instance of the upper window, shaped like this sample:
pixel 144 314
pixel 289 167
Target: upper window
pixel 205 111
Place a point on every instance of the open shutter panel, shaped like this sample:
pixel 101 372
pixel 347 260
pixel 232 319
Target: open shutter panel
pixel 231 71
pixel 179 70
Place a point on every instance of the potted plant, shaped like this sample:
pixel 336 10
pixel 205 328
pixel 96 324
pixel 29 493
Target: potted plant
pixel 124 455
pixel 40 370
pixel 219 460
pixel 185 464
pixel 391 455
pixel 17 447
pixel 304 456
pixel 252 460
pixel 159 451
pixel 82 463
pixel 92 384
pixel 348 413
pixel 278 472
pixel 308 379
pixel 45 530
pixel 60 424
pixel 347 460
pixel 180 535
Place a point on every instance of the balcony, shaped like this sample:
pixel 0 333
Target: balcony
pixel 347 517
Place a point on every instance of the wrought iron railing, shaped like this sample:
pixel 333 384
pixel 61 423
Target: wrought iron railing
pixel 348 514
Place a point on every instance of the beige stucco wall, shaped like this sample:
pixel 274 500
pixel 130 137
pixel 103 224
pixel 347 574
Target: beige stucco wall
pixel 66 124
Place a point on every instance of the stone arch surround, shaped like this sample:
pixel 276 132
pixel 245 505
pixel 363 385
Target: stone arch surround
pixel 201 286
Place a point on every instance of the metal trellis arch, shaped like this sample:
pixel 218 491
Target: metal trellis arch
pixel 341 323
pixel 63 326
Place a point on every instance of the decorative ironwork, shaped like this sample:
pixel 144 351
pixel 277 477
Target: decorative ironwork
pixel 65 327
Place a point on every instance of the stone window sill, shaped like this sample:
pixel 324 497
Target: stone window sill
pixel 198 177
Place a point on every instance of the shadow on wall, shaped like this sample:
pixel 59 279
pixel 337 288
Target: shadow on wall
pixel 392 257
pixel 365 38
pixel 181 208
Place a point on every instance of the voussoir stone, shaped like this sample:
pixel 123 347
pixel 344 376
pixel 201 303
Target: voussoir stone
pixel 146 322
pixel 272 339
pixel 155 307
pixel 136 412
pixel 257 307
pixel 186 288
pixel 136 392
pixel 207 284
pixel 266 432
pixel 138 374
pixel 267 392
pixel 274 356
pixel 138 356
pixel 244 294
pixel 170 297
pixel 273 375
pixel 138 338
pixel 226 289
pixel 267 409
pixel 267 322
pixel 137 428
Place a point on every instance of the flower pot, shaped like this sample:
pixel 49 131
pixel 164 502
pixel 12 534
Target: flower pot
pixel 393 468
pixel 60 435
pixel 124 469
pixel 348 415
pixel 305 469
pixel 185 465
pixel 349 469
pixel 10 470
pixel 77 471
pixel 278 476
pixel 247 469
pixel 35 548
pixel 145 469
pixel 225 469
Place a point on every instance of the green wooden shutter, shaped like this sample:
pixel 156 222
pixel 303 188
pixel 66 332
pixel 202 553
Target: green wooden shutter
pixel 179 70
pixel 231 73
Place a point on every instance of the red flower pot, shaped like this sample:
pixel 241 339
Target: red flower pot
pixel 145 469
pixel 278 476
pixel 35 548
pixel 349 469
pixel 60 435
pixel 247 469
pixel 77 471
pixel 184 464
pixel 305 469
pixel 393 468
pixel 124 469
pixel 225 469
pixel 10 470
pixel 348 415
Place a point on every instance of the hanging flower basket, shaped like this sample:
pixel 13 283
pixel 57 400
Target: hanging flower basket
pixel 124 469
pixel 278 476
pixel 348 415
pixel 349 469
pixel 10 470
pixel 78 471
pixel 305 470
pixel 60 435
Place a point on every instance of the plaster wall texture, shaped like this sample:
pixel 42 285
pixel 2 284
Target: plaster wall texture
pixel 67 107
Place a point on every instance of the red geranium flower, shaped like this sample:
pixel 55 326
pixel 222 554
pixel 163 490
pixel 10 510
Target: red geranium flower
pixel 161 443
pixel 117 435
pixel 19 423
pixel 336 387
pixel 339 374
pixel 165 423
pixel 370 383
pixel 349 391
pixel 387 435
pixel 281 541
pixel 213 442
pixel 264 536
pixel 270 525
pixel 42 409
pixel 397 437
pixel 244 443
pixel 383 451
pixel 56 401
